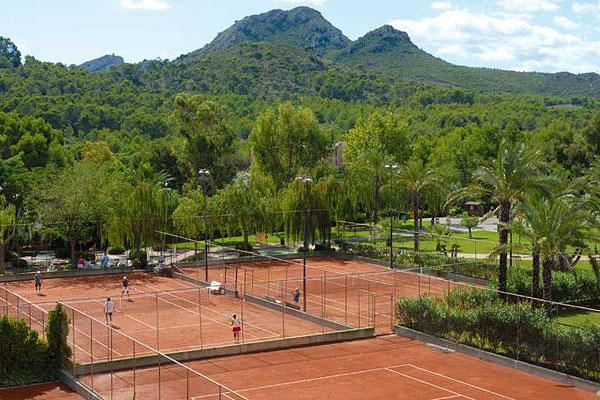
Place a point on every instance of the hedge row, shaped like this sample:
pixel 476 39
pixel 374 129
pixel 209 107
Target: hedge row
pixel 564 285
pixel 25 358
pixel 520 331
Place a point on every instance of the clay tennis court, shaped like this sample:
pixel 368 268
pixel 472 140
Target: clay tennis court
pixel 166 314
pixel 352 292
pixel 45 391
pixel 385 368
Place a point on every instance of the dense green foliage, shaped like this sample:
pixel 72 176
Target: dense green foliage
pixel 522 331
pixel 23 354
pixel 57 330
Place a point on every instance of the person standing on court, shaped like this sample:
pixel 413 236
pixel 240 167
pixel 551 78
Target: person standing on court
pixel 125 288
pixel 108 310
pixel 296 296
pixel 236 327
pixel 38 283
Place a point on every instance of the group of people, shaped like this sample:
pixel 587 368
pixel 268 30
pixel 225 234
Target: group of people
pixel 108 304
pixel 109 308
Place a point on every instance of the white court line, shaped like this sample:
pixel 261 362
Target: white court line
pixel 320 378
pixel 129 316
pixel 427 383
pixel 462 382
pixel 447 397
pixel 212 310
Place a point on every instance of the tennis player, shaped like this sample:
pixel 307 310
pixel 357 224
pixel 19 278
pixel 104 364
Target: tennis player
pixel 236 327
pixel 125 288
pixel 38 283
pixel 108 310
pixel 296 297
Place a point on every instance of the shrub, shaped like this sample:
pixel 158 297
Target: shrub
pixel 57 331
pixel 115 250
pixel 22 354
pixel 481 319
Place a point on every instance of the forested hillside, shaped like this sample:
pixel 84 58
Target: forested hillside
pixel 94 157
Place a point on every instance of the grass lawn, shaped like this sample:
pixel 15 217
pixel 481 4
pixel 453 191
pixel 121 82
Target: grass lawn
pixel 579 318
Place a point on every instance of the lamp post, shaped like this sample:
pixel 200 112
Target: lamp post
pixel 204 176
pixel 391 168
pixel 306 182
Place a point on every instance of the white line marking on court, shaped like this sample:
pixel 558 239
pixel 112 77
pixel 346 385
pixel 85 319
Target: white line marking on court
pixel 462 382
pixel 320 378
pixel 428 383
pixel 210 309
pixel 447 397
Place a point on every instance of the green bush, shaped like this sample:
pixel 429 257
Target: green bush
pixel 518 330
pixel 115 250
pixel 23 355
pixel 57 331
pixel 564 285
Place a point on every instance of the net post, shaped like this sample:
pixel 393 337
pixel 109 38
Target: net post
pixel 157 330
pixel 73 339
pixel 159 385
pixel 346 299
pixel 282 314
pixel 358 292
pixel 200 315
pixel 187 383
pixel 134 372
pixel 92 352
pixel 110 360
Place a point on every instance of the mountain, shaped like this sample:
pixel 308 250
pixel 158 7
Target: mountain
pixel 301 26
pixel 391 52
pixel 102 63
pixel 298 52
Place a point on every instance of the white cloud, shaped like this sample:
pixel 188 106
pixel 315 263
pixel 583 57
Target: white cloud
pixel 583 8
pixel 510 41
pixel 529 6
pixel 441 5
pixel 565 22
pixel 153 5
pixel 313 2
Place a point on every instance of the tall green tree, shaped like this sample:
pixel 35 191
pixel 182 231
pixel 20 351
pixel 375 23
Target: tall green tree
pixel 140 214
pixel 552 224
pixel 7 221
pixel 287 140
pixel 10 56
pixel 514 173
pixel 377 140
pixel 245 205
pixel 209 138
pixel 415 179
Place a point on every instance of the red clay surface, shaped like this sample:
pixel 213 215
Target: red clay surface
pixel 46 391
pixel 385 368
pixel 180 319
pixel 355 293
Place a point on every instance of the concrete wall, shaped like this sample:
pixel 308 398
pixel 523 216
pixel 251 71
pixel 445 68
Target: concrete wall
pixel 76 386
pixel 498 359
pixel 245 348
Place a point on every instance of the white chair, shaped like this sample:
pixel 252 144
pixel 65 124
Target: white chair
pixel 215 288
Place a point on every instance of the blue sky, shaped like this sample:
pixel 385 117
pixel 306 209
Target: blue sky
pixel 529 35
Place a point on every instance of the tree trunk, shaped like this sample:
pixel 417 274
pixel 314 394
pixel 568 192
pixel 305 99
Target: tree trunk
pixel 503 241
pixel 2 265
pixel 470 233
pixel 73 243
pixel 245 235
pixel 535 274
pixel 376 199
pixel 416 219
pixel 547 278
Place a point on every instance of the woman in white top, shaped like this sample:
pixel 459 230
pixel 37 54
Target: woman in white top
pixel 108 310
pixel 236 327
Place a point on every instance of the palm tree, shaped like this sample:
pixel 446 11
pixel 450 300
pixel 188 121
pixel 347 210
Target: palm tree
pixel 513 174
pixel 552 224
pixel 415 179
